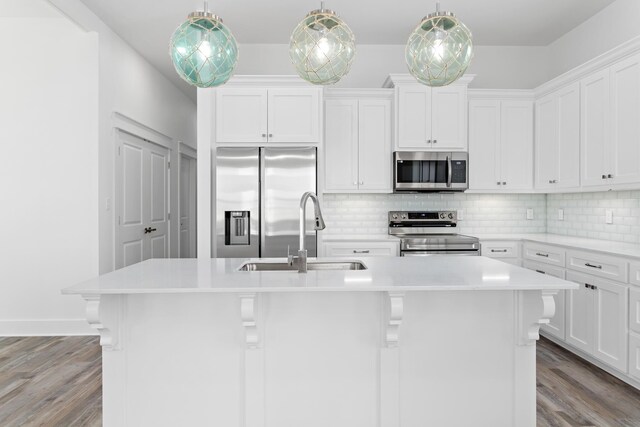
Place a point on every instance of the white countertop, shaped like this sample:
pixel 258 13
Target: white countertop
pixel 436 273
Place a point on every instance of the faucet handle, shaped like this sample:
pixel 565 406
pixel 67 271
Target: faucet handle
pixel 289 255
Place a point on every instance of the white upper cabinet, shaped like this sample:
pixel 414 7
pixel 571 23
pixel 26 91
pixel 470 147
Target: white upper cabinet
pixel 610 125
pixel 358 145
pixel 341 144
pixel 594 128
pixel 624 154
pixel 432 118
pixel 241 115
pixel 255 115
pixel 557 153
pixel 500 145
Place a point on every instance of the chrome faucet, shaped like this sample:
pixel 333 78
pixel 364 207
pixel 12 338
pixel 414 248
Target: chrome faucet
pixel 318 224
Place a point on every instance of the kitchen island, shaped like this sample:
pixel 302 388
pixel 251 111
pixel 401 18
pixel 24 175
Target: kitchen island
pixel 435 341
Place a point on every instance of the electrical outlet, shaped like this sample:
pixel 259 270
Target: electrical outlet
pixel 529 213
pixel 460 214
pixel 608 216
pixel 560 214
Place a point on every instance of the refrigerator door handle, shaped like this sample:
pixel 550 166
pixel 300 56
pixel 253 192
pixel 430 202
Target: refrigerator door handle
pixel 262 206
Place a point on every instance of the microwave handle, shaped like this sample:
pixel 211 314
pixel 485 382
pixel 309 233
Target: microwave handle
pixel 449 171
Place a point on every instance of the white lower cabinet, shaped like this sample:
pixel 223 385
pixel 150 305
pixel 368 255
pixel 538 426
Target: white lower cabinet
pixel 360 248
pixel 596 319
pixel 503 250
pixel 556 325
pixel 634 355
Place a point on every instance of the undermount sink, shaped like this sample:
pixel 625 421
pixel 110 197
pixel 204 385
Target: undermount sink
pixel 311 265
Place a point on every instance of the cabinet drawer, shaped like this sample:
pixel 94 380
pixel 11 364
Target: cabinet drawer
pixel 609 267
pixel 544 268
pixel 544 253
pixel 634 273
pixel 634 309
pixel 361 249
pixel 501 249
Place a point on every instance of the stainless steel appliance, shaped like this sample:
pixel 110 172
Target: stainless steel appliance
pixel 422 171
pixel 258 200
pixel 428 233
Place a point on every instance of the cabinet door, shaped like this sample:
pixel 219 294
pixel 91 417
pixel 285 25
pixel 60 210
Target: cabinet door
pixel 484 143
pixel 594 126
pixel 341 145
pixel 241 115
pixel 374 148
pixel 634 355
pixel 516 145
pixel 448 112
pixel 546 153
pixel 610 322
pixel 568 152
pixel 624 163
pixel 294 115
pixel 579 307
pixel 414 117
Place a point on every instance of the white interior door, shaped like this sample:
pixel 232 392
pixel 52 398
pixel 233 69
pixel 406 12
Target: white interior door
pixel 187 207
pixel 142 231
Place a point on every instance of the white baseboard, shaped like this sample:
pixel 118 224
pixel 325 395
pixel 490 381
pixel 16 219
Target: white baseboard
pixel 45 327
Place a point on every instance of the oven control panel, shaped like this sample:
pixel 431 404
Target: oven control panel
pixel 435 217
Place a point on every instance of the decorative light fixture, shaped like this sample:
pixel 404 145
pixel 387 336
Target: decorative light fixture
pixel 439 50
pixel 203 50
pixel 322 47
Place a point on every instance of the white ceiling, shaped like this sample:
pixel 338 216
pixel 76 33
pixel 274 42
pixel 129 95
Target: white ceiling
pixel 147 25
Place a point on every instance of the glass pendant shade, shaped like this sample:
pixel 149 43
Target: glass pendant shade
pixel 203 50
pixel 322 48
pixel 439 50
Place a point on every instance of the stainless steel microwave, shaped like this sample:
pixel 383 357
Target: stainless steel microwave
pixel 418 171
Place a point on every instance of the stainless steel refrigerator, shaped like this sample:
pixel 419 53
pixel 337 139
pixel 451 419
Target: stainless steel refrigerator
pixel 258 200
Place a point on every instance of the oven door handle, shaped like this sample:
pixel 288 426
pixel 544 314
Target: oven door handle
pixel 449 171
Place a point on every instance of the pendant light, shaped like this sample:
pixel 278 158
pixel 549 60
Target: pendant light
pixel 439 50
pixel 322 47
pixel 203 50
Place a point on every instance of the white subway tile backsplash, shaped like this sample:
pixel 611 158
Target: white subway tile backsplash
pixel 366 214
pixel 585 215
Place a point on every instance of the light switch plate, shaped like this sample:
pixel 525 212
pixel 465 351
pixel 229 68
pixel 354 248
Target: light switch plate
pixel 460 214
pixel 561 214
pixel 529 213
pixel 608 216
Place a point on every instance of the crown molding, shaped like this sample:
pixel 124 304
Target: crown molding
pixel 268 81
pixel 406 79
pixel 598 63
pixel 357 93
pixel 520 94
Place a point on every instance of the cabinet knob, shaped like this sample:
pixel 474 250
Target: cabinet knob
pixel 499 183
pixel 504 182
pixel 604 176
pixel 361 182
pixel 428 141
pixel 550 182
pixel 270 135
pixel 264 135
pixel 435 141
pixel 609 176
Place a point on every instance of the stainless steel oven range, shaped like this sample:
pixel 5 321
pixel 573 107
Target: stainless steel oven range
pixel 425 233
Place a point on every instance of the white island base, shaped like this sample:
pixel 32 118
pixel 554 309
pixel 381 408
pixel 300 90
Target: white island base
pixel 360 358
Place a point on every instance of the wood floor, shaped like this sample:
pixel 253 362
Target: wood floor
pixel 57 382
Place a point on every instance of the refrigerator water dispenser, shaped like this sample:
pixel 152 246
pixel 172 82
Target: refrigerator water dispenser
pixel 236 227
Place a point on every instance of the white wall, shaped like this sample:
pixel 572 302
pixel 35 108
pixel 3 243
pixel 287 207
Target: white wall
pixel 49 179
pixel 130 86
pixel 612 26
pixel 497 67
